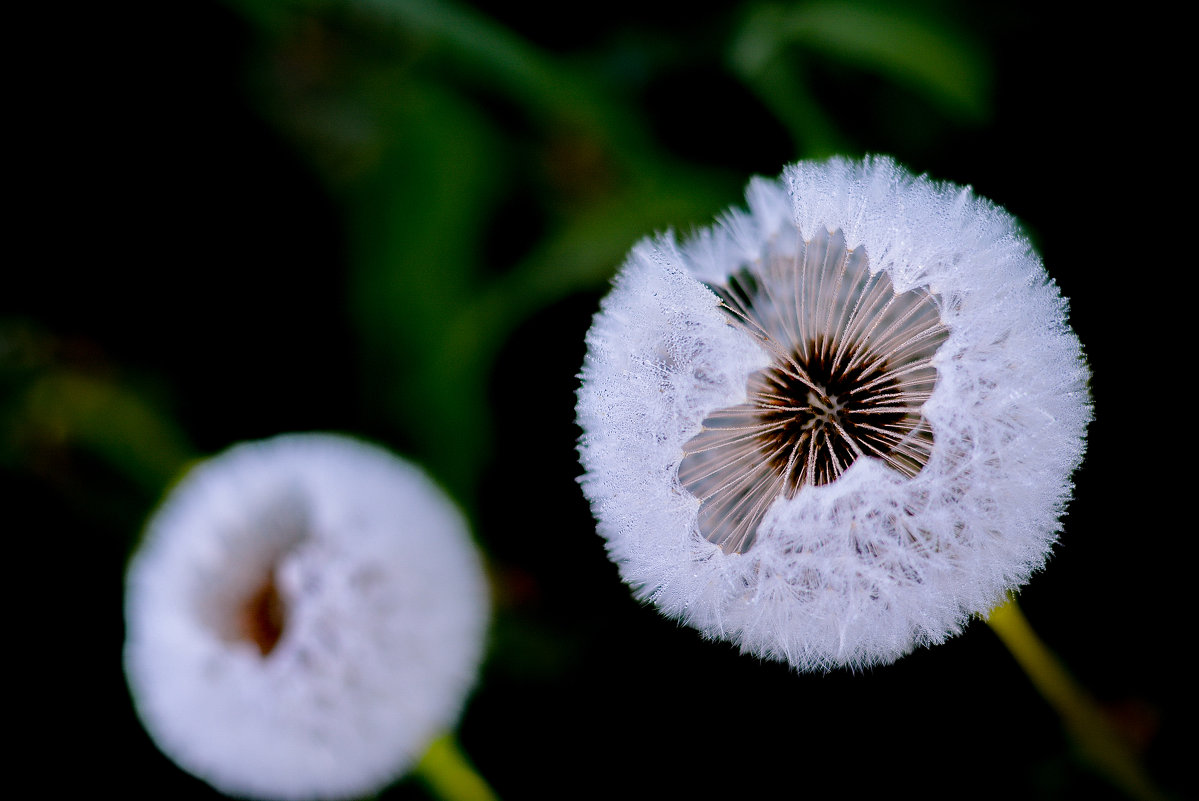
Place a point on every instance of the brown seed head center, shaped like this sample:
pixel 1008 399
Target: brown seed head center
pixel 261 617
pixel 851 370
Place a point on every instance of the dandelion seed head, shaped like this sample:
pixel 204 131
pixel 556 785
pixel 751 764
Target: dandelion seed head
pixel 304 616
pixel 837 424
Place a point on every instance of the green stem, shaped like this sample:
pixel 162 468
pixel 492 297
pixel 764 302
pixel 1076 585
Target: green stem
pixel 1083 719
pixel 449 774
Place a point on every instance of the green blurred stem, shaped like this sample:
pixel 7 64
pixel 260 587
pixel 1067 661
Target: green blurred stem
pixel 1083 719
pixel 449 774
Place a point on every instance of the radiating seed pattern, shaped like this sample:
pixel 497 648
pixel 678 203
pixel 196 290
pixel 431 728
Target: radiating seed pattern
pixel 852 368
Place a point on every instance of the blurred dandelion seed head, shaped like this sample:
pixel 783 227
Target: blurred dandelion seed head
pixel 305 615
pixel 834 427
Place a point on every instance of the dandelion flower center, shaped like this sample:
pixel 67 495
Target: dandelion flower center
pixel 262 616
pixel 850 373
pixel 241 600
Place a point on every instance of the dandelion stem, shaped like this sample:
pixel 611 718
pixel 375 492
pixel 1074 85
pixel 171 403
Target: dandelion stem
pixel 449 774
pixel 1085 722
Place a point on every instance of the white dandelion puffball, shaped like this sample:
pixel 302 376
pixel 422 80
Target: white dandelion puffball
pixel 832 428
pixel 305 615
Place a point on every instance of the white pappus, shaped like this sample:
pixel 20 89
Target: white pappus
pixel 833 427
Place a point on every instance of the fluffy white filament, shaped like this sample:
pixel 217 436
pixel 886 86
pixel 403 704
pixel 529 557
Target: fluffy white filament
pixel 305 615
pixel 878 551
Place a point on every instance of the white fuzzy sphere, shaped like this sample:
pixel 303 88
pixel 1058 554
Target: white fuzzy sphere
pixel 384 603
pixel 860 570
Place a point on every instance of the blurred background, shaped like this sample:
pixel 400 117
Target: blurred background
pixel 395 219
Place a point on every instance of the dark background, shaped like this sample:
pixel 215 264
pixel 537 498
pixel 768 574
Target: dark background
pixel 257 218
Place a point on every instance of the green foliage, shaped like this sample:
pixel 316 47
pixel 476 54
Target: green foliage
pixel 776 42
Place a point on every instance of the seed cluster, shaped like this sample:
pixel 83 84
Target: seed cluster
pixel 851 370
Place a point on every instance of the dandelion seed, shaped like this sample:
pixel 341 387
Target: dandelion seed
pixel 834 427
pixel 305 615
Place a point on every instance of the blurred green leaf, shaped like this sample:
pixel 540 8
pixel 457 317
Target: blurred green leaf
pixel 912 50
pixel 415 224
pixel 416 219
pixel 112 421
pixel 556 93
pixel 899 43
pixel 756 55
